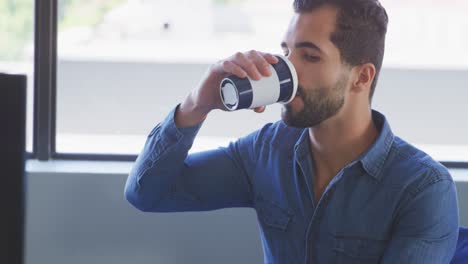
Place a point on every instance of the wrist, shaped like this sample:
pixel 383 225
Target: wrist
pixel 189 114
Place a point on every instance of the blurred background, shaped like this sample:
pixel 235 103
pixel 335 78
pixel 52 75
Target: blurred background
pixel 122 65
pixel 126 63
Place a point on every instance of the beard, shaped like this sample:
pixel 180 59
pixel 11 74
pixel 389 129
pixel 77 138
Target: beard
pixel 319 105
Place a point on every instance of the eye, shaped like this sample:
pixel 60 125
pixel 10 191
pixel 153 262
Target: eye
pixel 311 58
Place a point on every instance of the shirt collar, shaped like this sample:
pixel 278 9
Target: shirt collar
pixel 374 158
pixel 302 144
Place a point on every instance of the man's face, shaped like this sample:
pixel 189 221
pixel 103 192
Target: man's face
pixel 323 79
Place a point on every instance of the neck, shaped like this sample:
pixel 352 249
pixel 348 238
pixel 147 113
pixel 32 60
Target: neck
pixel 340 140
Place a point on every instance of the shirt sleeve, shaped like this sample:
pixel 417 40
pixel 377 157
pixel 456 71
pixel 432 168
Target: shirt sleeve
pixel 426 229
pixel 165 178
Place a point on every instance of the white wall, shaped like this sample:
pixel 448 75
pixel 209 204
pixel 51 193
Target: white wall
pixel 83 218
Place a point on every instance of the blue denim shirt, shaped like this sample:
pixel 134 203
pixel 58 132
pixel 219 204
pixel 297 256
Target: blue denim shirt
pixel 394 204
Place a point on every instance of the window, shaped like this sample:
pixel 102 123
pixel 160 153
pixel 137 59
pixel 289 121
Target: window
pixel 422 89
pixel 122 65
pixel 17 49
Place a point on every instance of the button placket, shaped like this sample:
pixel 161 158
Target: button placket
pixel 319 211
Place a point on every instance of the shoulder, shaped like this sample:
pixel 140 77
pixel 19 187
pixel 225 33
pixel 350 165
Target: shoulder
pixel 412 168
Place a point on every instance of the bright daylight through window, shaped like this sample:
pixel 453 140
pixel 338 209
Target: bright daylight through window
pixel 17 49
pixel 124 64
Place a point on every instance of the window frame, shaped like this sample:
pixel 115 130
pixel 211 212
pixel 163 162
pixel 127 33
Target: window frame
pixel 45 93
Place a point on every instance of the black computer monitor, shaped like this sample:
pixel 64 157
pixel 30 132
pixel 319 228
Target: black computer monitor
pixel 12 157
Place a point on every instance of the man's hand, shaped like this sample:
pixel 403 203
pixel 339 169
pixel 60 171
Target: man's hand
pixel 206 96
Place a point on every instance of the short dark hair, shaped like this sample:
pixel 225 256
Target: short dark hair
pixel 361 26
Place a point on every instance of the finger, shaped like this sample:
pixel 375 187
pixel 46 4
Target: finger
pixel 270 58
pixel 260 62
pixel 247 65
pixel 232 68
pixel 259 109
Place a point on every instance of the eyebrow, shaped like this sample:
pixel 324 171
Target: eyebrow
pixel 303 44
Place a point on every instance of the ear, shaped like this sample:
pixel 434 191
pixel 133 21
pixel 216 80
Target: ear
pixel 363 76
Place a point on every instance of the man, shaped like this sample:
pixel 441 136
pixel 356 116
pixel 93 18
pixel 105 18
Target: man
pixel 330 182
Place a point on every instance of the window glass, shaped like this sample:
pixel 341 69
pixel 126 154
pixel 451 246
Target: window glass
pixel 123 65
pixel 17 50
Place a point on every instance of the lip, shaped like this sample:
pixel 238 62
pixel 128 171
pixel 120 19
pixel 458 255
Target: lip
pixel 294 100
